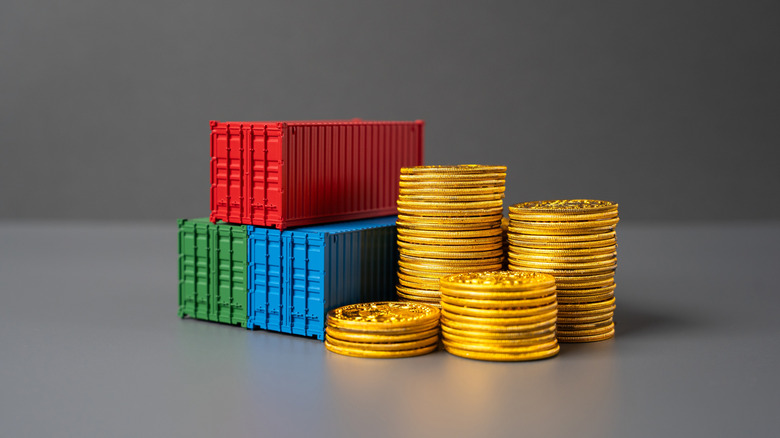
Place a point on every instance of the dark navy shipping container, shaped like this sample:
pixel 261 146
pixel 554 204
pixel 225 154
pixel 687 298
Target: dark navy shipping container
pixel 297 275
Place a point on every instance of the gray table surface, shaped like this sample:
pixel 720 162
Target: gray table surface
pixel 90 345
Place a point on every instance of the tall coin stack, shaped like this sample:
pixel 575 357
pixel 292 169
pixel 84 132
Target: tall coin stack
pixel 449 221
pixel 383 329
pixel 574 240
pixel 500 316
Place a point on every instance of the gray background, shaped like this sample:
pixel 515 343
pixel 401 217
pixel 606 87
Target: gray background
pixel 669 108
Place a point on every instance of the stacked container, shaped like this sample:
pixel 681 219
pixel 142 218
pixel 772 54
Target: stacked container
pixel 268 180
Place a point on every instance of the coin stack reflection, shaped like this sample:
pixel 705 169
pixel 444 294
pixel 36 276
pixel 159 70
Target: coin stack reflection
pixel 574 240
pixel 449 221
pixel 499 316
pixel 383 329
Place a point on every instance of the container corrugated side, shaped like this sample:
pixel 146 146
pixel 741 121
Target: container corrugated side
pixel 212 271
pixel 284 174
pixel 322 267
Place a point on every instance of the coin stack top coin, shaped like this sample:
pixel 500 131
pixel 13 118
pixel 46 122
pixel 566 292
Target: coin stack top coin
pixel 573 240
pixel 499 315
pixel 383 329
pixel 448 222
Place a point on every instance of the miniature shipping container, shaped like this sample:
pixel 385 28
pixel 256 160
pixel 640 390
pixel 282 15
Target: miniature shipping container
pixel 213 271
pixel 297 275
pixel 284 174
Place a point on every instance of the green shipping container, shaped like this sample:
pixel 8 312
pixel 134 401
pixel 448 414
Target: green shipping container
pixel 213 271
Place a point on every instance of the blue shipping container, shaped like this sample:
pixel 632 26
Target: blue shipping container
pixel 297 275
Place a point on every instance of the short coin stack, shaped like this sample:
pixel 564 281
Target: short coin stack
pixel 383 330
pixel 449 221
pixel 574 240
pixel 500 315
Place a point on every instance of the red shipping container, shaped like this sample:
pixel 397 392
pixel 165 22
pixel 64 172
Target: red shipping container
pixel 285 174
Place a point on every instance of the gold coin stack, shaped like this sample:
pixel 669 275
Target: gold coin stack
pixel 499 315
pixel 449 221
pixel 383 330
pixel 573 240
pixel 505 241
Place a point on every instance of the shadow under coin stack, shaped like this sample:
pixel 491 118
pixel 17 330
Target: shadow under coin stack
pixel 573 240
pixel 499 316
pixel 383 330
pixel 449 221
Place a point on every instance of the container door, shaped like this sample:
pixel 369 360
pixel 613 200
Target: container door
pixel 264 148
pixel 265 279
pixel 306 276
pixel 194 270
pixel 230 285
pixel 227 154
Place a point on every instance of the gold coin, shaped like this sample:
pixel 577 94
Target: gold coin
pixel 604 265
pixel 383 346
pixel 499 313
pixel 442 227
pixel 594 338
pixel 445 184
pixel 552 232
pixel 450 263
pixel 503 357
pixel 560 246
pixel 425 293
pixel 515 265
pixel 496 348
pixel 498 328
pixel 379 354
pixel 453 255
pixel 585 281
pixel 457 205
pixel 411 284
pixel 491 221
pixel 360 336
pixel 503 342
pixel 418 298
pixel 531 238
pixel 583 313
pixel 423 191
pixel 578 259
pixel 498 304
pixel 499 281
pixel 458 168
pixel 436 275
pixel 576 299
pixel 584 319
pixel 564 206
pixel 504 321
pixel 588 325
pixel 448 242
pixel 434 213
pixel 567 225
pixel 452 177
pixel 586 306
pixel 438 271
pixel 564 252
pixel 419 279
pixel 593 332
pixel 497 336
pixel 415 300
pixel 477 197
pixel 496 295
pixel 452 234
pixel 558 217
pixel 587 292
pixel 382 315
